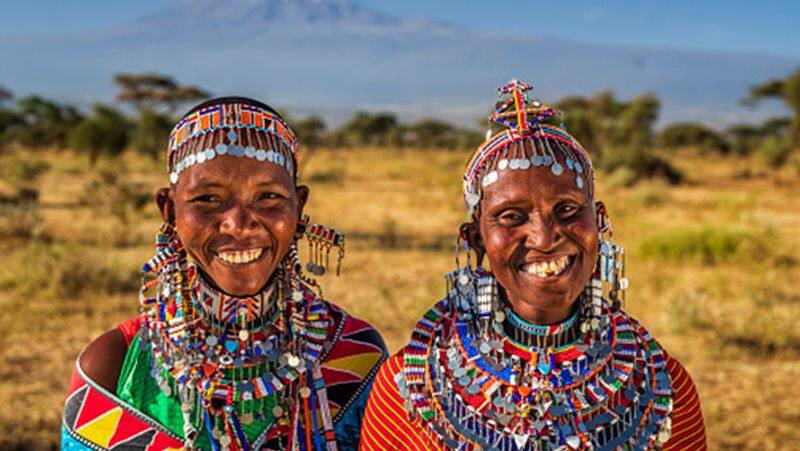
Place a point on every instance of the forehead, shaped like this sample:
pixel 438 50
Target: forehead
pixel 232 172
pixel 537 185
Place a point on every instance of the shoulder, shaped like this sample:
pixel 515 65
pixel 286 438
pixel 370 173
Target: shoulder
pixel 102 359
pixel 386 424
pixel 385 391
pixel 688 428
pixel 355 333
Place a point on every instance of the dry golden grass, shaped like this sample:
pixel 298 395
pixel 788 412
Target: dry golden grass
pixel 730 318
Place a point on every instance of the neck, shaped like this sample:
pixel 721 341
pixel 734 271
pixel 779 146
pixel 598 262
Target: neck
pixel 226 310
pixel 542 335
pixel 538 315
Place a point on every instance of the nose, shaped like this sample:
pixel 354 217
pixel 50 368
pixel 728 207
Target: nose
pixel 541 233
pixel 238 222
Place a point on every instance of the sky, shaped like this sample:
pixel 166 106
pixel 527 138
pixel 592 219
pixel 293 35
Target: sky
pixel 717 25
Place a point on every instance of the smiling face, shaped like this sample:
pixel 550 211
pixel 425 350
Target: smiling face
pixel 540 235
pixel 236 217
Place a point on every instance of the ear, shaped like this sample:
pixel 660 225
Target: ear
pixel 470 233
pixel 302 192
pixel 165 205
pixel 603 223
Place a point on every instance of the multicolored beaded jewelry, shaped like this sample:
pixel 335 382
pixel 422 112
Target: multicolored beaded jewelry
pixel 527 143
pixel 223 356
pixel 237 129
pixel 478 376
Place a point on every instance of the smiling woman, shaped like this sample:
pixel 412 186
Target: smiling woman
pixel 530 355
pixel 235 347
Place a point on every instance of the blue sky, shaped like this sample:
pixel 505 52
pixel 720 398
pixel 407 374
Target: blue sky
pixel 729 26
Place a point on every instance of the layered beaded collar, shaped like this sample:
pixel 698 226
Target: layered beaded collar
pixel 234 311
pixel 222 357
pixel 473 387
pixel 528 334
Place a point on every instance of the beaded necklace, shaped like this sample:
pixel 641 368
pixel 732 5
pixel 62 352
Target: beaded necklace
pixel 594 388
pixel 228 359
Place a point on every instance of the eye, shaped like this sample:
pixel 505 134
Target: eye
pixel 565 211
pixel 268 195
pixel 511 217
pixel 205 199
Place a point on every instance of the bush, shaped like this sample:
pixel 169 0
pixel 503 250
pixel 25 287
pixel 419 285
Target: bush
pixel 638 163
pixel 151 133
pixel 65 272
pixel 22 168
pixel 708 244
pixel 106 132
pixel 45 123
pixel 123 200
pixel 774 151
pixel 20 218
pixel 691 134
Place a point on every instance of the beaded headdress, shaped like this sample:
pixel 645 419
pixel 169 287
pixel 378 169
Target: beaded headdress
pixel 234 126
pixel 527 141
pixel 226 358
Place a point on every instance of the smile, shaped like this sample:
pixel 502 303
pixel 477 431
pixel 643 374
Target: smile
pixel 240 257
pixel 548 268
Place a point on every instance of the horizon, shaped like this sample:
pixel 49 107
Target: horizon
pixel 692 68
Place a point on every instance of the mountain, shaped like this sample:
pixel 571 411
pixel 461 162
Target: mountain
pixel 335 56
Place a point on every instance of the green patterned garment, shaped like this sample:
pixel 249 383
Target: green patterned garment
pixel 137 387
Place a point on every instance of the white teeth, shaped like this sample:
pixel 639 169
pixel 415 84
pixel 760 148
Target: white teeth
pixel 549 268
pixel 240 257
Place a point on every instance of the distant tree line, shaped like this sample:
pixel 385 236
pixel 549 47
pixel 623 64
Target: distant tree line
pixel 619 134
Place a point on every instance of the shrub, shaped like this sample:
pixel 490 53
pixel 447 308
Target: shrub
pixel 61 271
pixel 692 134
pixel 774 151
pixel 151 133
pixel 45 123
pixel 20 218
pixel 119 198
pixel 105 132
pixel 638 162
pixel 22 168
pixel 708 244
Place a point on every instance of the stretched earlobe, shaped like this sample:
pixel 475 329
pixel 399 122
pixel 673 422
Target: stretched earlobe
pixel 165 205
pixel 471 235
pixel 603 222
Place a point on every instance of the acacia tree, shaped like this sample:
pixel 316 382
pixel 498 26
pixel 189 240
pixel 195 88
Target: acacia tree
pixel 156 98
pixel 155 91
pixel 786 90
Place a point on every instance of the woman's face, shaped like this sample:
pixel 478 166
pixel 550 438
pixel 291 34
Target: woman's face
pixel 540 235
pixel 236 217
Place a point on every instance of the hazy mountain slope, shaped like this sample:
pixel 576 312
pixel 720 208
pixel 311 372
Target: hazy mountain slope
pixel 334 56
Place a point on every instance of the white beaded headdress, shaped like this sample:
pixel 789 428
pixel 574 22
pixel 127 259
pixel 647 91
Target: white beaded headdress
pixel 527 142
pixel 235 126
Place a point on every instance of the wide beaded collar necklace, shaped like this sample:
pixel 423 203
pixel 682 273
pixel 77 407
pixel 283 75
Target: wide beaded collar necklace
pixel 227 359
pixel 472 387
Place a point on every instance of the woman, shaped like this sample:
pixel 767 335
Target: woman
pixel 529 356
pixel 233 348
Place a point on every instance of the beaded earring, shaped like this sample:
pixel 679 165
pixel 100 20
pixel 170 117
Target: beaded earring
pixel 321 240
pixel 611 261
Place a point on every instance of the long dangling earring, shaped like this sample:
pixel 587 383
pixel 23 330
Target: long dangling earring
pixel 611 261
pixel 172 276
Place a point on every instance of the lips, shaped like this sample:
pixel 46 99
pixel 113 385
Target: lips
pixel 239 256
pixel 551 267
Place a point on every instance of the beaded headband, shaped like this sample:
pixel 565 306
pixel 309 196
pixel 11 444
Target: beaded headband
pixel 234 126
pixel 526 143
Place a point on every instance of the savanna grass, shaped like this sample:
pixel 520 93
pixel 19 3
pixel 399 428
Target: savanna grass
pixel 712 264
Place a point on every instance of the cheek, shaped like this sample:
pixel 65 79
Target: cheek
pixel 194 227
pixel 281 224
pixel 499 245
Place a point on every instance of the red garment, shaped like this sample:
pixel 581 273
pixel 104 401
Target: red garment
pixel 386 425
